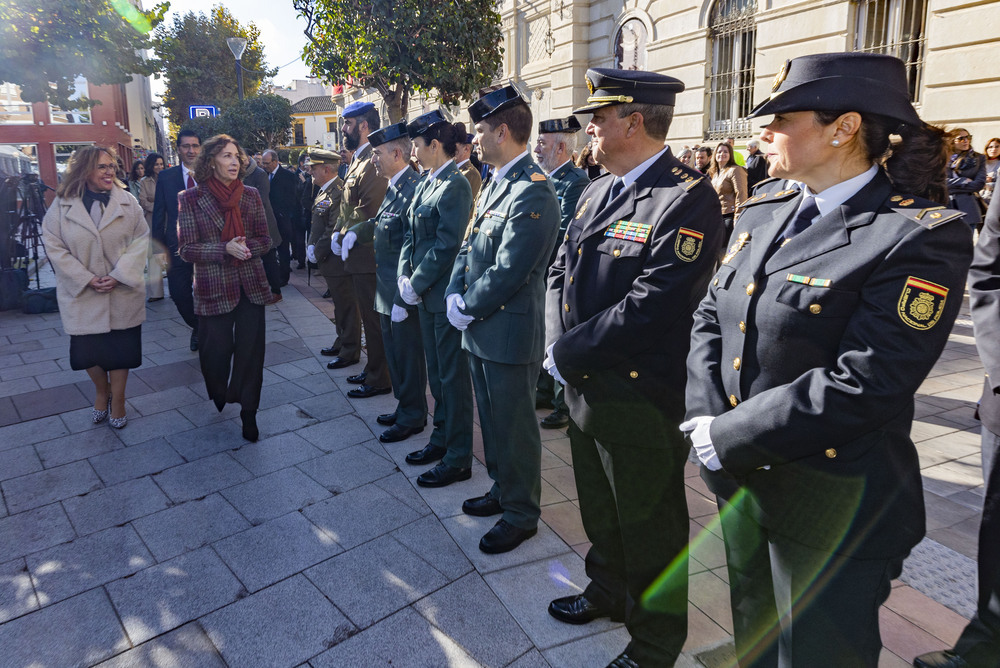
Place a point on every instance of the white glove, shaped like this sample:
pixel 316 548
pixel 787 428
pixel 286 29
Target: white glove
pixel 407 292
pixel 697 429
pixel 311 254
pixel 399 313
pixel 347 244
pixel 458 320
pixel 335 243
pixel 549 364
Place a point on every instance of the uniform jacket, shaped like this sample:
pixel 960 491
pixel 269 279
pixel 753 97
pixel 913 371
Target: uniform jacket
pixel 984 293
pixel 619 309
pixel 500 269
pixel 386 232
pixel 364 191
pixel 438 216
pixel 470 172
pixel 569 181
pixel 218 276
pixel 79 250
pixel 257 178
pixel 809 356
pixel 966 177
pixel 325 212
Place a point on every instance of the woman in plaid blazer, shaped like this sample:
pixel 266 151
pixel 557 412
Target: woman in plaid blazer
pixel 222 231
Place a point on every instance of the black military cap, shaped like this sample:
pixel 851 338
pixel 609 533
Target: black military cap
pixel 387 134
pixel 608 87
pixel 320 156
pixel 422 124
pixel 491 103
pixel 864 82
pixel 568 125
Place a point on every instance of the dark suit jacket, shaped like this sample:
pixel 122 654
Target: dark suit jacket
pixel 809 355
pixel 282 194
pixel 984 293
pixel 619 310
pixel 169 184
pixel 218 276
pixel 257 178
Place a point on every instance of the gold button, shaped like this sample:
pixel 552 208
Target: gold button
pixel 475 229
pixel 616 252
pixel 830 453
pixel 736 363
pixel 715 282
pixel 579 251
pixel 585 376
pixel 815 309
pixel 567 237
pixel 386 227
pixel 467 268
pixel 571 280
pixel 750 289
pixel 466 286
pixel 633 374
pixel 501 307
pixel 743 327
pixel 566 306
pixel 733 400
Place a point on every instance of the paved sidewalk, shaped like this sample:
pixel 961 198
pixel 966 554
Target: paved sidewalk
pixel 174 542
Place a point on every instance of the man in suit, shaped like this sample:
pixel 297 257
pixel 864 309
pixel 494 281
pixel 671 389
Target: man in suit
pixel 756 164
pixel 496 296
pixel 170 182
pixel 979 644
pixel 636 259
pixel 325 209
pixel 364 191
pixel 257 178
pixel 554 150
pixel 400 324
pixel 282 200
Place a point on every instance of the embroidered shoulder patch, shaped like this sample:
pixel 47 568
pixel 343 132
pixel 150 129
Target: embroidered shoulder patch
pixel 537 177
pixel 921 303
pixel 626 229
pixel 688 244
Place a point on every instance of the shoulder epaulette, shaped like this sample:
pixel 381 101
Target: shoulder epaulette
pixel 535 173
pixel 686 177
pixel 923 212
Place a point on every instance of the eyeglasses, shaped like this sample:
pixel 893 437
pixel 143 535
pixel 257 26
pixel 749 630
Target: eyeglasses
pixel 964 138
pixel 107 168
pixel 189 147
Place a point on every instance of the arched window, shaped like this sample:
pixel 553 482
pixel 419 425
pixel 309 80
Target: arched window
pixel 896 28
pixel 733 33
pixel 630 45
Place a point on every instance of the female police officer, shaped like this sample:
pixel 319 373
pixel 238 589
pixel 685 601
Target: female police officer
pixel 832 304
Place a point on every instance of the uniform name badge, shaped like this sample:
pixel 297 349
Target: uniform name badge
pixel 921 303
pixel 688 244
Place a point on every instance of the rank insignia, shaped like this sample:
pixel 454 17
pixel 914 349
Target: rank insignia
pixel 895 198
pixel 579 212
pixel 536 216
pixel 779 78
pixel 921 303
pixel 626 229
pixel 688 244
pixel 537 177
pixel 906 202
pixel 737 246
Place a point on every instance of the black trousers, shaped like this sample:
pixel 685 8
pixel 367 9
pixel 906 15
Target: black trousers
pixel 284 249
pixel 270 260
pixel 233 340
pixel 180 279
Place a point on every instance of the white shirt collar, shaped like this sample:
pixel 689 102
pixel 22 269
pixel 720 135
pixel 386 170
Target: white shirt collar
pixel 638 171
pixel 184 174
pixel 835 195
pixel 558 168
pixel 500 172
pixel 459 165
pixel 323 187
pixel 360 149
pixel 275 170
pixel 438 170
pixel 398 175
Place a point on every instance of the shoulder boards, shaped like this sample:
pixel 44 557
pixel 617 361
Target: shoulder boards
pixel 686 177
pixel 766 181
pixel 536 176
pixel 779 196
pixel 923 212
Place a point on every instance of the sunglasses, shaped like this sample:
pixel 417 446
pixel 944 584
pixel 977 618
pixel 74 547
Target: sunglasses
pixel 964 138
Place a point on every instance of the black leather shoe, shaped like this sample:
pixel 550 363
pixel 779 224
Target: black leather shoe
pixel 578 610
pixel 387 419
pixel 365 391
pixel 358 378
pixel 945 659
pixel 332 351
pixel 398 432
pixel 326 295
pixel 482 506
pixel 249 419
pixel 194 341
pixel 443 475
pixel 339 363
pixel 430 453
pixel 504 537
pixel 555 420
pixel 623 660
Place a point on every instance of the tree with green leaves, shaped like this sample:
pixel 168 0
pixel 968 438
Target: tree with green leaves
pixel 46 44
pixel 200 68
pixel 259 122
pixel 446 49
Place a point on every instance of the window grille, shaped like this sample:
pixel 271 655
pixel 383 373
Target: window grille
pixel 896 28
pixel 733 32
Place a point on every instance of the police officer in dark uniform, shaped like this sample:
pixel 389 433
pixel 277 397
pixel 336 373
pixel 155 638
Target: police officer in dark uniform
pixel 554 151
pixel 635 260
pixel 497 297
pixel 400 325
pixel 830 307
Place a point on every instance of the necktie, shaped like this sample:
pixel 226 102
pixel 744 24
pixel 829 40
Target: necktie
pixel 270 177
pixel 616 189
pixel 190 181
pixel 802 219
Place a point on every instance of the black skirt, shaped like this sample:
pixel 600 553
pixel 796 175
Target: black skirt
pixel 117 349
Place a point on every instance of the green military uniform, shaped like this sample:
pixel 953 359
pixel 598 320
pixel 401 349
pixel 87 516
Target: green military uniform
pixel 325 208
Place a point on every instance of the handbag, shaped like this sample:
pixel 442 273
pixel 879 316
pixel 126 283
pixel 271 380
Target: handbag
pixel 40 301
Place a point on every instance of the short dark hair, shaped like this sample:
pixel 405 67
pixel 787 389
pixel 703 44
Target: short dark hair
pixel 212 147
pixel 187 132
pixel 517 119
pixel 656 118
pixel 372 118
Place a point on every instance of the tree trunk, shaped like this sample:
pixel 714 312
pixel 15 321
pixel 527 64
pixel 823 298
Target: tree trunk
pixel 396 100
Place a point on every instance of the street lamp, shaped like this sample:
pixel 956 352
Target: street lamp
pixel 237 45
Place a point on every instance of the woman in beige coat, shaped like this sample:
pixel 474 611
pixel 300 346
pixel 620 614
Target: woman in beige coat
pixel 147 194
pixel 730 181
pixel 96 238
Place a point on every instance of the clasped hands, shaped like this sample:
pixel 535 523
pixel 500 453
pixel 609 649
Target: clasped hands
pixel 103 283
pixel 237 247
pixel 456 305
pixel 342 244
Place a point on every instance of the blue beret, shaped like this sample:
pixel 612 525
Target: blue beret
pixel 357 109
pixel 608 87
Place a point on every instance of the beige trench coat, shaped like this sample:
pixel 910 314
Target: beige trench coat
pixel 79 250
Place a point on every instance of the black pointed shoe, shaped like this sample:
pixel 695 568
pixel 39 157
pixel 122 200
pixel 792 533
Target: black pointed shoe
pixel 555 420
pixel 358 378
pixel 504 537
pixel 387 419
pixel 194 341
pixel 250 431
pixel 623 660
pixel 443 475
pixel 332 351
pixel 398 432
pixel 426 455
pixel 579 610
pixel 945 659
pixel 339 363
pixel 366 391
pixel 482 506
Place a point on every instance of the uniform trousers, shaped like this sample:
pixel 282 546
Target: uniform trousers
pixel 511 442
pixel 233 340
pixel 346 315
pixel 284 249
pixel 979 643
pixel 794 605
pixel 404 353
pixel 634 511
pixel 376 369
pixel 270 262
pixel 180 279
pixel 550 389
pixel 451 387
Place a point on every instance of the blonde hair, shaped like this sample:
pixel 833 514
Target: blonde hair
pixel 81 164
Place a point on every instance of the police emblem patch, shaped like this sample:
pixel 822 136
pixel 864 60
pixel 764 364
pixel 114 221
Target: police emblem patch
pixel 737 246
pixel 921 303
pixel 780 76
pixel 688 244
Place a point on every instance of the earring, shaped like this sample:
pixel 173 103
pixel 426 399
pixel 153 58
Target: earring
pixel 836 142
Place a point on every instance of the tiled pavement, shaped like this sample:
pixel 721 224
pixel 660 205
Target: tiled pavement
pixel 174 542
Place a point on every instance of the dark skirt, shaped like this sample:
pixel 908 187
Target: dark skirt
pixel 117 349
